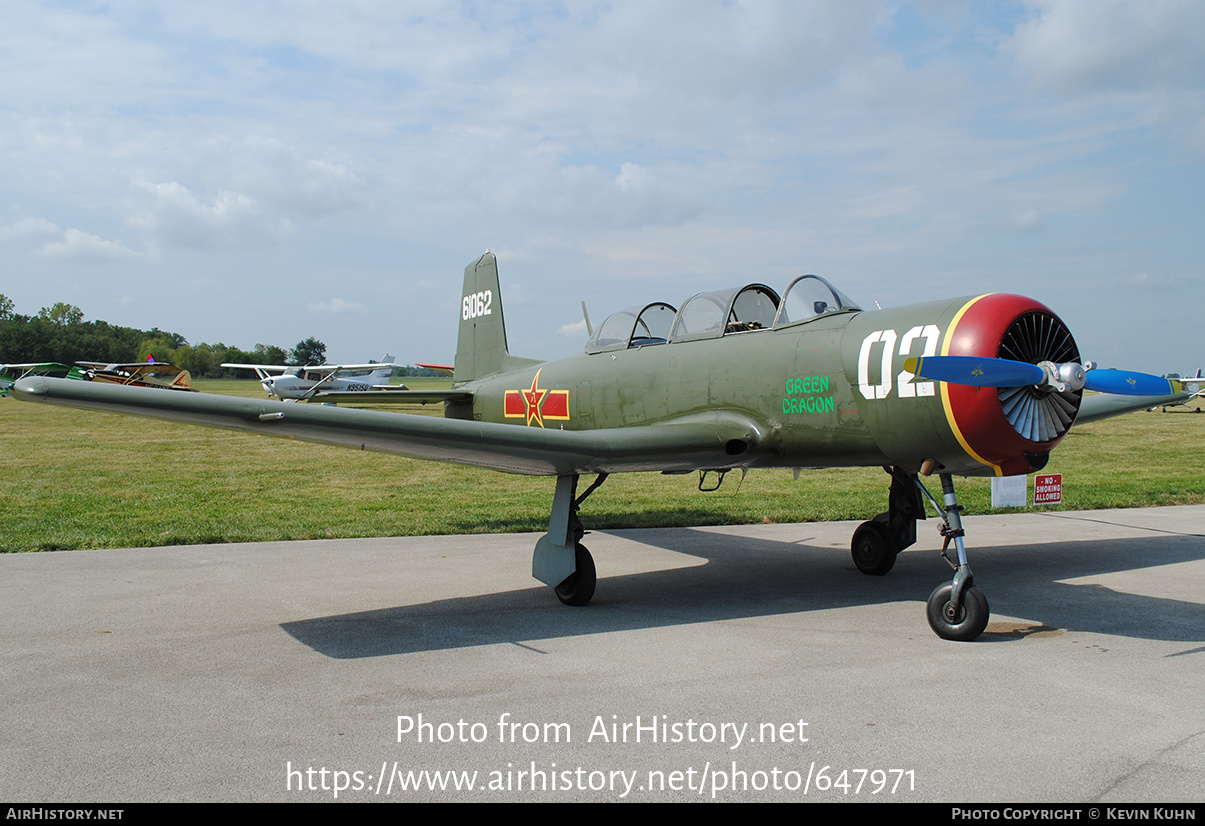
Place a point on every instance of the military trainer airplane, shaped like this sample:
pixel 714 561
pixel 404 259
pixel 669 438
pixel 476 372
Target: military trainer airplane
pixel 730 380
pixel 303 383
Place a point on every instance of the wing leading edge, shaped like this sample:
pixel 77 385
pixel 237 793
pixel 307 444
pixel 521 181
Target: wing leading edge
pixel 713 440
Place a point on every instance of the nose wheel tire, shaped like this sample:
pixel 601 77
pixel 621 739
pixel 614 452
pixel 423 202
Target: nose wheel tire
pixel 964 624
pixel 578 588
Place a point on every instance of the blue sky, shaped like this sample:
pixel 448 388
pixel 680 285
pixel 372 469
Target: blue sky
pixel 260 172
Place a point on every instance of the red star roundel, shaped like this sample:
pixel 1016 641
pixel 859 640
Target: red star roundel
pixel 536 404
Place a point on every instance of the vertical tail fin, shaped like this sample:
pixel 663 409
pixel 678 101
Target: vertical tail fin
pixel 481 346
pixel 385 371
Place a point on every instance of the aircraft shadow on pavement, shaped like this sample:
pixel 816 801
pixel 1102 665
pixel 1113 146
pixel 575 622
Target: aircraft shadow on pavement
pixel 748 577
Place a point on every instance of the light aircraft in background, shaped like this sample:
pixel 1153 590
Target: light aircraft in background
pixel 9 373
pixel 139 374
pixel 729 380
pixel 303 383
pixel 446 369
pixel 1195 384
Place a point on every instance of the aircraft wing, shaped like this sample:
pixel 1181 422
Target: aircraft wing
pixel 326 368
pixel 312 368
pixel 1104 405
pixel 712 440
pixel 135 366
pixel 279 368
pixel 51 365
pixel 402 395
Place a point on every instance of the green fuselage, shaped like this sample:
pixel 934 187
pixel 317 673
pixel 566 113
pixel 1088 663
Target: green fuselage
pixel 799 383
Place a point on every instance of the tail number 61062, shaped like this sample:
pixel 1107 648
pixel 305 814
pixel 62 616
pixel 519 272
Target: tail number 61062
pixel 476 305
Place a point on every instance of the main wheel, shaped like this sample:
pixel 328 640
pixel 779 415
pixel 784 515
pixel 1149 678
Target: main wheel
pixel 962 625
pixel 873 548
pixel 578 587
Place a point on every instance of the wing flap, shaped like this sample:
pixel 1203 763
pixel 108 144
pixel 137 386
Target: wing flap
pixel 714 440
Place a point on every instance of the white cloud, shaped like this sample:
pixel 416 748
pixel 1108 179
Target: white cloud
pixel 338 305
pixel 1155 280
pixel 575 330
pixel 84 246
pixel 171 212
pixel 312 187
pixel 1029 220
pixel 898 200
pixel 33 228
pixel 1104 45
pixel 551 191
pixel 68 244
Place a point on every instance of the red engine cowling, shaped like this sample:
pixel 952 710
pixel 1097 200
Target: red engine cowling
pixel 1012 429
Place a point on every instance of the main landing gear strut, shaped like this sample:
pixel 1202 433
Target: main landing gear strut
pixel 957 610
pixel 560 558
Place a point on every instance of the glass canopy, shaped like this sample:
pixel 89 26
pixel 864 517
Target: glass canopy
pixel 720 313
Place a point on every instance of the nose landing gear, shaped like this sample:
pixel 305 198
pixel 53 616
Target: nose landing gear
pixel 957 610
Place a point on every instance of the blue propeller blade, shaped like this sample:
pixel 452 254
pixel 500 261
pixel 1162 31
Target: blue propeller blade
pixel 1126 383
pixel 989 372
pixel 976 372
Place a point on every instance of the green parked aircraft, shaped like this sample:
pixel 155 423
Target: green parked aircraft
pixel 731 380
pixel 9 373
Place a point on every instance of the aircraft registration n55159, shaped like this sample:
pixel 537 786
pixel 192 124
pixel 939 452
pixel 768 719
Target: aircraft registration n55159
pixel 730 380
pixel 301 383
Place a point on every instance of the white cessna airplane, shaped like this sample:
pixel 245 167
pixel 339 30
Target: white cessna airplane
pixel 302 383
pixel 1197 385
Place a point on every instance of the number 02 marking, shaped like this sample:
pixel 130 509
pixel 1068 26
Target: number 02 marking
pixel 908 389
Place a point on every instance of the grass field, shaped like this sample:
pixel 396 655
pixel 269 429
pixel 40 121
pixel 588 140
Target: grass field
pixel 75 479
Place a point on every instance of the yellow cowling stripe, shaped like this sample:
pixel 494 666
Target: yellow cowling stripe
pixel 945 389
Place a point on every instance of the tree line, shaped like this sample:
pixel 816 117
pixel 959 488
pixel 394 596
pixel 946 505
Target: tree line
pixel 59 333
